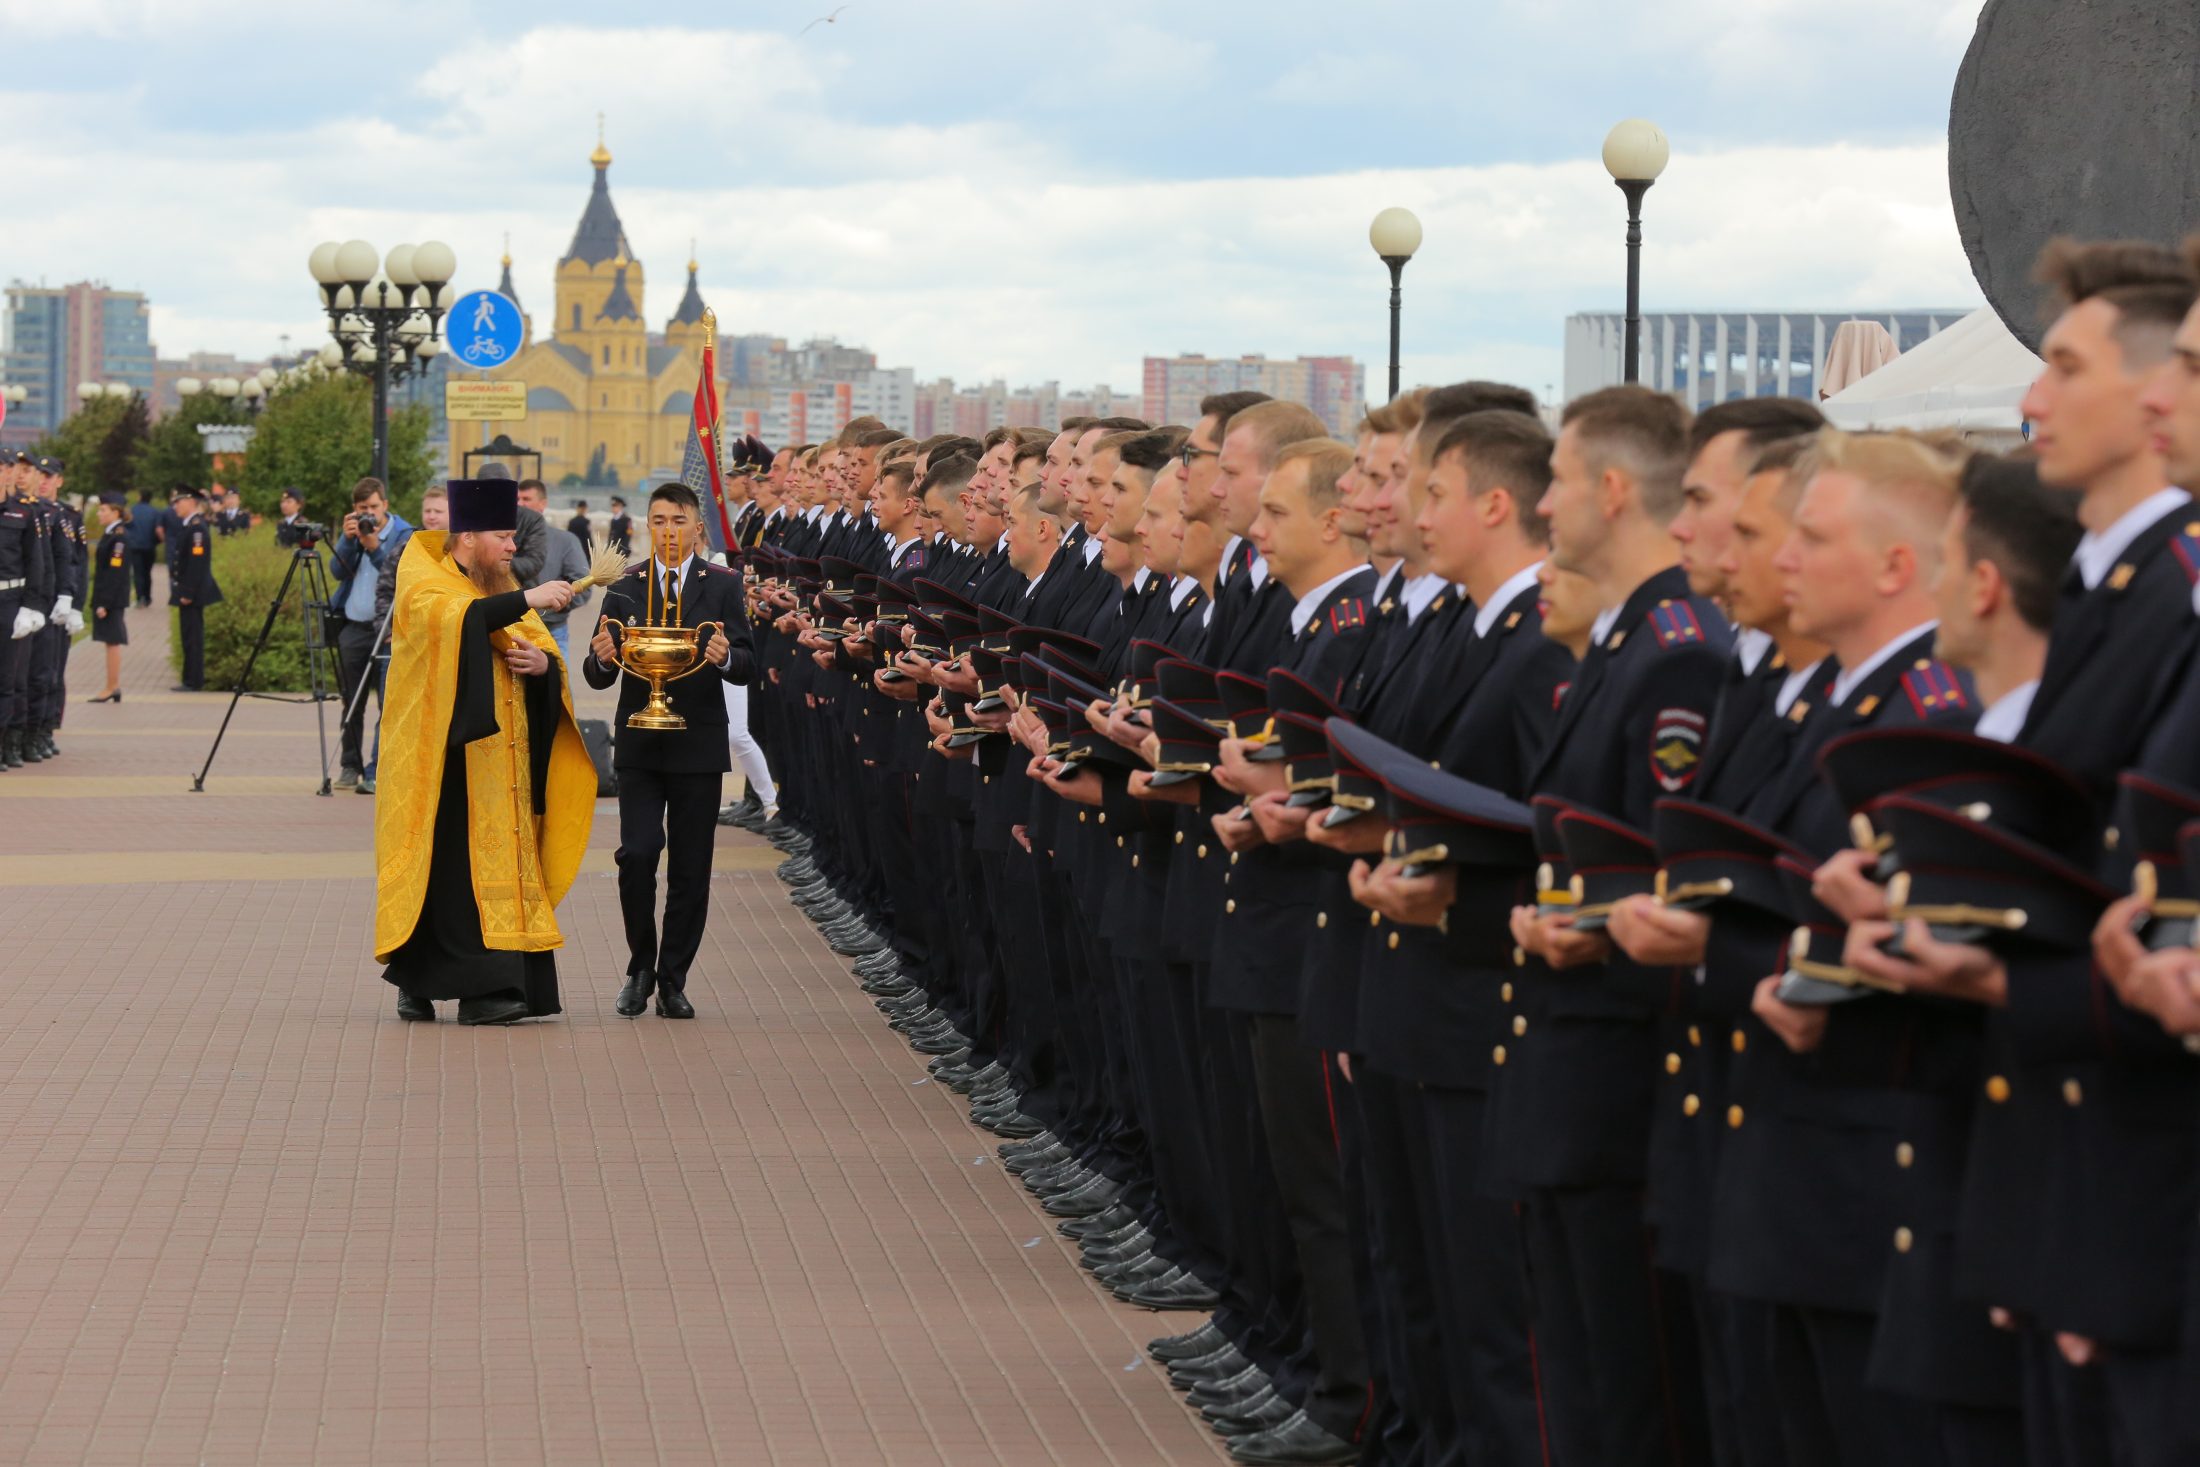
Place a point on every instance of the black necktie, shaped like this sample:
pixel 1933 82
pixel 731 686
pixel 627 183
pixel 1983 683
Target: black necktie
pixel 672 597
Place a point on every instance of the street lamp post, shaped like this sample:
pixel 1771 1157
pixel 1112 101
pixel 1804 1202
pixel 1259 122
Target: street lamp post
pixel 1395 234
pixel 383 316
pixel 1635 153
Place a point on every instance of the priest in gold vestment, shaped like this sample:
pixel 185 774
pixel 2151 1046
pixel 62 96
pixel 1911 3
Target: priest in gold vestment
pixel 486 789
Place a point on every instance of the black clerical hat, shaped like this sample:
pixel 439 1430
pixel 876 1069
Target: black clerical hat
pixel 482 505
pixel 1975 882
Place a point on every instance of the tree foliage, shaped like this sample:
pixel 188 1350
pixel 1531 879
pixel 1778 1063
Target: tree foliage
pixel 318 437
pixel 115 460
pixel 78 441
pixel 175 453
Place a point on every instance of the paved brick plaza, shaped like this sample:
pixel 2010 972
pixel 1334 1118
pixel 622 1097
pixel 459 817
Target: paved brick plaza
pixel 250 1216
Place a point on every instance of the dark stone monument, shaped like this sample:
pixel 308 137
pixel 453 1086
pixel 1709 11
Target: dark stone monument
pixel 2077 117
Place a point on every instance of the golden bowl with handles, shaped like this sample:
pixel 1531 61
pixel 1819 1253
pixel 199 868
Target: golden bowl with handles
pixel 661 655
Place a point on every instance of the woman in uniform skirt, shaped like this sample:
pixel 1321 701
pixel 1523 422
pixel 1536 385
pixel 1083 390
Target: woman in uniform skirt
pixel 111 591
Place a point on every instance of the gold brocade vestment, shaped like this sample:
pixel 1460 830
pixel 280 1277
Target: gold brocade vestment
pixel 523 863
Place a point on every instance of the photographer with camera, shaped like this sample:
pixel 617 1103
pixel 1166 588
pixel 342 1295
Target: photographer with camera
pixel 371 537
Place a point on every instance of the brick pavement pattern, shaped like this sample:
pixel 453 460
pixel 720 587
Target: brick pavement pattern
pixel 251 1216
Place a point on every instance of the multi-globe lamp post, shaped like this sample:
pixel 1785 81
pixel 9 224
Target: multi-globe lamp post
pixel 384 316
pixel 1635 153
pixel 1395 234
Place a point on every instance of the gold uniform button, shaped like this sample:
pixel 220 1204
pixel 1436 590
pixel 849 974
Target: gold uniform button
pixel 1904 1155
pixel 1118 839
pixel 1080 817
pixel 1321 919
pixel 1997 1089
pixel 1504 993
pixel 1740 1041
pixel 1904 1240
pixel 1394 942
pixel 1734 1117
pixel 1201 853
pixel 1374 919
pixel 1520 957
pixel 1695 1036
pixel 2073 1093
pixel 1180 837
pixel 1134 863
pixel 1690 1105
pixel 1230 905
pixel 1233 858
pixel 1520 1025
pixel 1497 1055
pixel 1672 1064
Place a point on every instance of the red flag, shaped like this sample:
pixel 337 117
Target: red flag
pixel 699 467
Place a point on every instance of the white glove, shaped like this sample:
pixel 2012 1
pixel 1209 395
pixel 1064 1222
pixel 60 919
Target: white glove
pixel 73 622
pixel 28 621
pixel 61 607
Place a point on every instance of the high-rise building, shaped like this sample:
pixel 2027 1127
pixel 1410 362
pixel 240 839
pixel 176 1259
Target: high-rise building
pixel 1334 387
pixel 60 336
pixel 1706 357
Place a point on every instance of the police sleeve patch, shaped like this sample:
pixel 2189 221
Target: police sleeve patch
pixel 1676 747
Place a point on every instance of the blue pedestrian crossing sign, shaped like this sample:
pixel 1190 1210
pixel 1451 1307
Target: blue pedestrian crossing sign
pixel 483 330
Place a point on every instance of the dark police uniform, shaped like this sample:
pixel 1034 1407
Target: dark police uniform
pixel 191 589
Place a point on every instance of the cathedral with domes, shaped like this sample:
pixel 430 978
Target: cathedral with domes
pixel 607 402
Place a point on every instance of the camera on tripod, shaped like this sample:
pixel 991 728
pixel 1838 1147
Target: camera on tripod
pixel 309 534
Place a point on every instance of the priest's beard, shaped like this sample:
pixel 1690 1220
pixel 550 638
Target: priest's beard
pixel 492 577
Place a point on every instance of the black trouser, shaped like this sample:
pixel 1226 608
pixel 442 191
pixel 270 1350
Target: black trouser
pixel 354 655
pixel 49 652
pixel 191 629
pixel 1299 1112
pixel 141 574
pixel 1614 1333
pixel 14 665
pixel 1832 1418
pixel 657 810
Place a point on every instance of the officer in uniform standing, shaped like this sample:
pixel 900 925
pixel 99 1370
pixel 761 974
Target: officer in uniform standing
pixel 50 646
pixel 25 580
pixel 191 584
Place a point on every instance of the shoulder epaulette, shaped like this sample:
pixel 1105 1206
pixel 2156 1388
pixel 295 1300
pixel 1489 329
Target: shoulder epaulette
pixel 1348 614
pixel 1674 624
pixel 1932 687
pixel 2185 545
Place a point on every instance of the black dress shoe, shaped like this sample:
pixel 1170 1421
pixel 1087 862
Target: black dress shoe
pixel 1202 1341
pixel 1263 1411
pixel 491 1010
pixel 1295 1442
pixel 635 996
pixel 418 1010
pixel 672 1003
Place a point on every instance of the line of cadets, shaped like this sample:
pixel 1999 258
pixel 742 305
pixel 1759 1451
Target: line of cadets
pixel 1667 945
pixel 43 586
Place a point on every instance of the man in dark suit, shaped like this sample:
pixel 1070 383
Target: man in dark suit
pixel 619 534
pixel 191 584
pixel 670 780
pixel 143 539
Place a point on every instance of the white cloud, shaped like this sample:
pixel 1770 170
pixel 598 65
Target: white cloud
pixel 973 248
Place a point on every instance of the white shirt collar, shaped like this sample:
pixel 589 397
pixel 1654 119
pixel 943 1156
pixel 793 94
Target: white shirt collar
pixel 1419 592
pixel 1139 578
pixel 1303 612
pixel 1384 580
pixel 1791 687
pixel 1602 626
pixel 1179 590
pixel 1485 617
pixel 2097 553
pixel 2004 718
pixel 1092 548
pixel 1750 646
pixel 680 573
pixel 1258 566
pixel 1846 683
pixel 896 547
pixel 1002 543
pixel 1033 584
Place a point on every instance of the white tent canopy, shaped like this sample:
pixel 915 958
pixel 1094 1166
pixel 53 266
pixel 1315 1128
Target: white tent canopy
pixel 1970 376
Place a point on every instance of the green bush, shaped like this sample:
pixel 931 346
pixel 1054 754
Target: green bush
pixel 250 568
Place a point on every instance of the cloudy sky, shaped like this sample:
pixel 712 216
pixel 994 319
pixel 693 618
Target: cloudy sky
pixel 1011 188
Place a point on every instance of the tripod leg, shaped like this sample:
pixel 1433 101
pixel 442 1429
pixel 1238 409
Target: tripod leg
pixel 244 679
pixel 314 609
